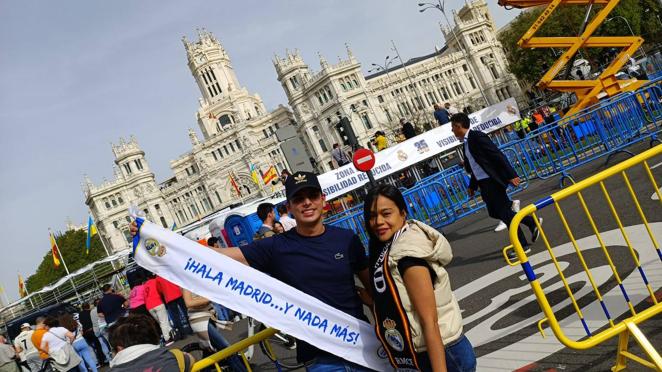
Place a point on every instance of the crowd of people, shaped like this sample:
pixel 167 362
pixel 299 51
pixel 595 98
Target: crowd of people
pixel 403 279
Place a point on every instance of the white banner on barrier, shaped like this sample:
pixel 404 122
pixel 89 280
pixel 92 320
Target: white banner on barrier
pixel 255 294
pixel 405 154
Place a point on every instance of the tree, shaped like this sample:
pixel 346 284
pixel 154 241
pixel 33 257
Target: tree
pixel 72 247
pixel 529 65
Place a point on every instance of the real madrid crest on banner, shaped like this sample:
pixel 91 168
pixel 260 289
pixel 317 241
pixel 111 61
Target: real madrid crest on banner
pixel 154 248
pixel 393 337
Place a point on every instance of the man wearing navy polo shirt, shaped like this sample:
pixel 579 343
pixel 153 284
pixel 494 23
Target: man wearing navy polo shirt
pixel 316 259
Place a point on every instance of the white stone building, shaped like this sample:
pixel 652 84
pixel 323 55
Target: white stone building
pixel 377 101
pixel 238 132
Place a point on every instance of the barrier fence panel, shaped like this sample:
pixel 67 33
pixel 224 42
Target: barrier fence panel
pixel 601 130
pixel 627 259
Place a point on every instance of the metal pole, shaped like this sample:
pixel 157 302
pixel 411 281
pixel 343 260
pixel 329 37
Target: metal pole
pixel 411 81
pixel 371 179
pixel 65 267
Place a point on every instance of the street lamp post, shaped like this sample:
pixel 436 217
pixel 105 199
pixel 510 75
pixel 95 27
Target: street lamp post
pixel 385 67
pixel 629 28
pixel 440 7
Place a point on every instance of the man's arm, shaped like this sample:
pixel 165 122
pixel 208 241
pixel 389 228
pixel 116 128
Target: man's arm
pixel 495 156
pixel 234 253
pixel 366 293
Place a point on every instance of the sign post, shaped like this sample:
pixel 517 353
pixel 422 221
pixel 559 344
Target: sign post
pixel 364 160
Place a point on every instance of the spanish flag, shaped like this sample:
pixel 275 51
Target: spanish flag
pixel 22 292
pixel 91 231
pixel 54 250
pixel 234 185
pixel 269 175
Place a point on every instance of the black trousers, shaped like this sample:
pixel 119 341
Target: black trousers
pixel 179 316
pixel 498 206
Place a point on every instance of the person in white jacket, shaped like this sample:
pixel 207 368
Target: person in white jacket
pixel 417 316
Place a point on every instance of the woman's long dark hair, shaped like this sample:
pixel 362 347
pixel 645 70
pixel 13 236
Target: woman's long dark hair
pixel 390 192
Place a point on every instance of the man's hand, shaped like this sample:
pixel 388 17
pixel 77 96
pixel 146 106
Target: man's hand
pixel 133 228
pixel 365 296
pixel 471 192
pixel 515 181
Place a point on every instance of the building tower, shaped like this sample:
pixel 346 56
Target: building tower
pixel 224 101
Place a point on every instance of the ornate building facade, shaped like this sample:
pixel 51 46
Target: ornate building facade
pixel 470 72
pixel 238 135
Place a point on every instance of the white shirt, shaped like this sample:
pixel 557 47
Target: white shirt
pixel 24 341
pixel 478 172
pixel 56 338
pixel 287 222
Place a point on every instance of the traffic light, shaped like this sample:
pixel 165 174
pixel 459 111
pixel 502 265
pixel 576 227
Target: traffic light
pixel 346 132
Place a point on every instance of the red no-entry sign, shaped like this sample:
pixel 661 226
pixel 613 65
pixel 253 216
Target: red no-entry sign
pixel 364 160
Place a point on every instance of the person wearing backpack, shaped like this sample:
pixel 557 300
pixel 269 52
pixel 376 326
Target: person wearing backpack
pixel 265 212
pixel 135 341
pixel 57 343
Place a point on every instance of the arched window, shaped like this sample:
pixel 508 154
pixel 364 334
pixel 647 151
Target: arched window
pixel 224 120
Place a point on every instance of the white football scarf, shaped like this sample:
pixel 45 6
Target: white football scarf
pixel 253 293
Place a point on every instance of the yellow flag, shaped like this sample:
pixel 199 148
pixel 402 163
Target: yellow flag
pixel 54 250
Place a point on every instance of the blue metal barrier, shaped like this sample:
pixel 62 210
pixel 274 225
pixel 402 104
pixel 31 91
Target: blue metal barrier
pixel 601 130
pixel 554 149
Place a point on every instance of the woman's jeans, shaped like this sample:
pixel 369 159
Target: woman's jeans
pixel 460 357
pixel 85 352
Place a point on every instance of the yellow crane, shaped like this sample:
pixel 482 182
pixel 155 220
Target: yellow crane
pixel 588 91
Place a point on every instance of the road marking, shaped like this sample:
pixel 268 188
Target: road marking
pixel 534 348
pixel 654 196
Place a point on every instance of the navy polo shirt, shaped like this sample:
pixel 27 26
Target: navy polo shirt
pixel 322 266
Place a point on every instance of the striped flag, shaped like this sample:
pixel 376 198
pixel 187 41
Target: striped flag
pixel 270 175
pixel 254 174
pixel 22 291
pixel 91 231
pixel 54 250
pixel 234 185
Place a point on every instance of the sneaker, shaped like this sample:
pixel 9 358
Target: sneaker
pixel 515 206
pixel 501 226
pixel 512 256
pixel 535 233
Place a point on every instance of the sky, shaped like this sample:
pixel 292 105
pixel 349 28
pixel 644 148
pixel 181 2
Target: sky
pixel 78 75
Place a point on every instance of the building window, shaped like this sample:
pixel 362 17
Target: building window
pixel 220 201
pixel 366 121
pixel 163 223
pixel 106 204
pixel 380 99
pixel 127 168
pixel 213 153
pixel 238 144
pixel 114 202
pixel 119 199
pixel 116 224
pixel 224 120
pixel 226 150
pixel 232 147
pixel 139 164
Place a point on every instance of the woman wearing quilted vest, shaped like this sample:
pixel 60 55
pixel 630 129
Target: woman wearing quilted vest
pixel 417 318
